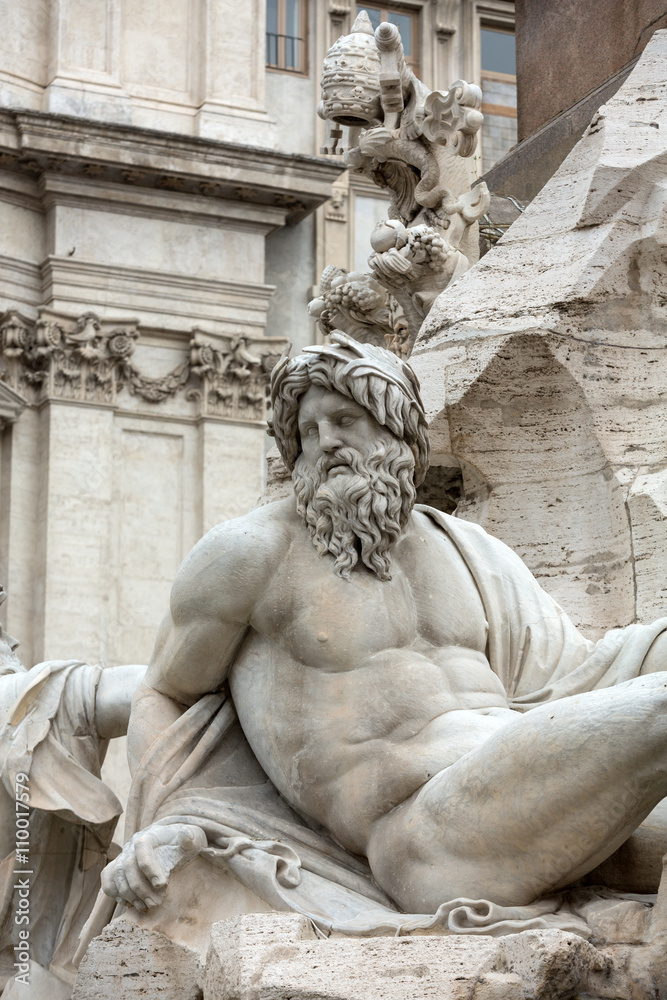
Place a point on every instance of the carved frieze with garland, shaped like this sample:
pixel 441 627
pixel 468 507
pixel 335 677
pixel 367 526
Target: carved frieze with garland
pixel 91 360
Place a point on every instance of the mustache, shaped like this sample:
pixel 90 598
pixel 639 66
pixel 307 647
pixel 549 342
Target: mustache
pixel 341 456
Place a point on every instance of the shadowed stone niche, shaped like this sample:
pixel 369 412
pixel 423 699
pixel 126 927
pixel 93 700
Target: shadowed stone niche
pixel 442 488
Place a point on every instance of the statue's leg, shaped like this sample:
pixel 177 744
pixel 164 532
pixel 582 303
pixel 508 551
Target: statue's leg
pixel 637 865
pixel 540 803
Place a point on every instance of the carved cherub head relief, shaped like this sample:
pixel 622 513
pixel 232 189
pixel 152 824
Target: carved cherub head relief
pixel 350 426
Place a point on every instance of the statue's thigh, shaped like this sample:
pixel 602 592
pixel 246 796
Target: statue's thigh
pixel 637 864
pixel 539 804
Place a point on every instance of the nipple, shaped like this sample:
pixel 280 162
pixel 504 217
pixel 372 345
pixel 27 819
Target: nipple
pixel 322 636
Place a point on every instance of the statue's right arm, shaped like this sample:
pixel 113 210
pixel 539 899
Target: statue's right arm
pixel 212 599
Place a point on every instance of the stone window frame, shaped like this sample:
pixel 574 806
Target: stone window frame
pixel 302 39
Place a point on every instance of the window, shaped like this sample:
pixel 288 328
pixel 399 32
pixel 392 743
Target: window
pixel 286 32
pixel 407 22
pixel 499 90
pixel 498 51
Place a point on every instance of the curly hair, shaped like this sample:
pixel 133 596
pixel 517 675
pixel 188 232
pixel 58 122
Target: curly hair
pixel 375 379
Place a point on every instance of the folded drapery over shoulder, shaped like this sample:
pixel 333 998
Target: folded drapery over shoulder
pixel 533 647
pixel 202 771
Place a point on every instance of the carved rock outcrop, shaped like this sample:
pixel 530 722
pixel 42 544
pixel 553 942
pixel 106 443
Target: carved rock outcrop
pixel 543 369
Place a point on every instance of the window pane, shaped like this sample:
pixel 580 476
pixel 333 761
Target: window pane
pixel 404 24
pixel 272 17
pixel 292 18
pixel 498 51
pixel 291 53
pixel 272 49
pixel 374 14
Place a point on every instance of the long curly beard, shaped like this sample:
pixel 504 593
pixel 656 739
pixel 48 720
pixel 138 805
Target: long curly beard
pixel 357 514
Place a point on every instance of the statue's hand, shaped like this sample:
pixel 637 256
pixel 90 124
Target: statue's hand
pixel 138 877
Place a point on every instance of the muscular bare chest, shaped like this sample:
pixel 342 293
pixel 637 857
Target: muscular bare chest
pixel 340 684
pixel 319 618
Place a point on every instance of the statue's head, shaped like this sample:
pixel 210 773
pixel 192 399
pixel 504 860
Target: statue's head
pixel 350 426
pixel 9 661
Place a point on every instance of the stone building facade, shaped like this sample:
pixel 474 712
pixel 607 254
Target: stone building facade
pixel 164 219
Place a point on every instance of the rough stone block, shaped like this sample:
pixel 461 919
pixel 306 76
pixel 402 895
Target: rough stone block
pixel 543 368
pixel 275 956
pixel 127 963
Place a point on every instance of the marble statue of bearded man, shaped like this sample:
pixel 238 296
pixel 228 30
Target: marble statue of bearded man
pixel 369 712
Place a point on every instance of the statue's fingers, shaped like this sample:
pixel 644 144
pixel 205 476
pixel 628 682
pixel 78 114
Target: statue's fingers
pixel 139 884
pixel 149 865
pixel 125 891
pixel 108 880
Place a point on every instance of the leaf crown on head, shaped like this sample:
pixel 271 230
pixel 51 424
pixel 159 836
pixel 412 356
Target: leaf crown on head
pixel 379 381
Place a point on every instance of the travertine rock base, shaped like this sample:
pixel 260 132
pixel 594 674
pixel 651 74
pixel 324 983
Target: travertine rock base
pixel 276 956
pixel 543 369
pixel 279 956
pixel 127 962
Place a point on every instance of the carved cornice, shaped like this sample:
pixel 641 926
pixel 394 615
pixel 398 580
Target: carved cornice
pixel 90 360
pixel 34 144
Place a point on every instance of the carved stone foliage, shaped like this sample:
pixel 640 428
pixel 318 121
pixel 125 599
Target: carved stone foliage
pixel 360 305
pixel 90 360
pixel 234 380
pixel 413 143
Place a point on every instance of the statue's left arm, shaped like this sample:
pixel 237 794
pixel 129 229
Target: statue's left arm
pixel 113 699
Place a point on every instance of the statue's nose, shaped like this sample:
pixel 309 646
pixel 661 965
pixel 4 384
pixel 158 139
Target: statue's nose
pixel 329 437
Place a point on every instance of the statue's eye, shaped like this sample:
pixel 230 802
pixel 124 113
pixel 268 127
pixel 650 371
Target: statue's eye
pixel 346 420
pixel 309 431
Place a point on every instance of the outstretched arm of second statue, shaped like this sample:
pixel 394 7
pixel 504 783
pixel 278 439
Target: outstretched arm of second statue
pixel 211 603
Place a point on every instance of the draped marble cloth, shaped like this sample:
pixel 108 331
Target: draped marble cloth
pixel 201 770
pixel 47 732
